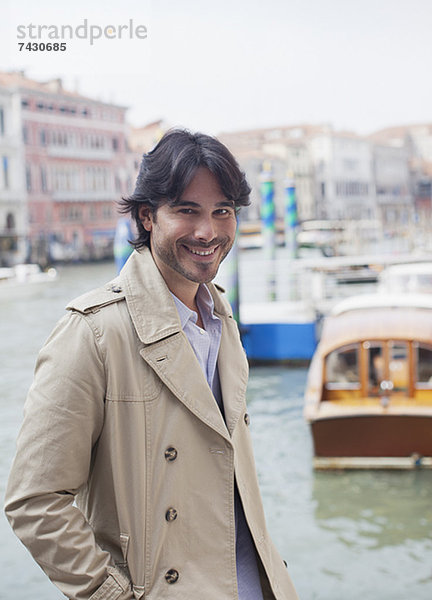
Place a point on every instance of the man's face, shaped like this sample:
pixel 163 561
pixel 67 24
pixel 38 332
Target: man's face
pixel 190 239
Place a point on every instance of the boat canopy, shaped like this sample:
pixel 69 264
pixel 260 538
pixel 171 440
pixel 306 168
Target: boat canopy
pixel 382 323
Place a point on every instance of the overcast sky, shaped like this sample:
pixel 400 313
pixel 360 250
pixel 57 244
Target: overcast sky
pixel 235 64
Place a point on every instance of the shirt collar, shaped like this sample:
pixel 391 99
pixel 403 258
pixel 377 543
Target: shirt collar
pixel 204 302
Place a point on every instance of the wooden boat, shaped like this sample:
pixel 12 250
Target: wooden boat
pixel 369 392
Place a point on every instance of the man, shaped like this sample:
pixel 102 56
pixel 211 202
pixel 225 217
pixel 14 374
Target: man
pixel 134 475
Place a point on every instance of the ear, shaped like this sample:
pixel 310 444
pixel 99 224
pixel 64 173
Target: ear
pixel 146 217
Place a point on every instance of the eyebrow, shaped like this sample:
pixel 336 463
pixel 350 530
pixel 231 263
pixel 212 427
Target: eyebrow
pixel 190 203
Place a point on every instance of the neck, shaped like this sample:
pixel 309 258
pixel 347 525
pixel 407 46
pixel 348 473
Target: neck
pixel 187 294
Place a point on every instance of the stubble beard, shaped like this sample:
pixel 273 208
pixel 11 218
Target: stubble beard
pixel 209 271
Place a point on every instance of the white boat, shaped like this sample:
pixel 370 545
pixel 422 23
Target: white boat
pixel 23 280
pixel 407 278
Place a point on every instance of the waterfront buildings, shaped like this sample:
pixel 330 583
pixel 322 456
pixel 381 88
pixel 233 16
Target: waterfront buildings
pixel 415 141
pixel 65 160
pixel 286 150
pixel 380 184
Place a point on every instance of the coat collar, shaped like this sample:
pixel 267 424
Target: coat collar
pixel 150 303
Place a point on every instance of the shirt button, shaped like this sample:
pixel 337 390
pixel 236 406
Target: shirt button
pixel 171 515
pixel 202 332
pixel 170 454
pixel 172 576
pixel 247 419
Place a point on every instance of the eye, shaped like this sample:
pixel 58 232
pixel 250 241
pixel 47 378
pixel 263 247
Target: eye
pixel 224 212
pixel 186 211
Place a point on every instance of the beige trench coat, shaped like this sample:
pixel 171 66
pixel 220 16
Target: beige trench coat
pixel 120 419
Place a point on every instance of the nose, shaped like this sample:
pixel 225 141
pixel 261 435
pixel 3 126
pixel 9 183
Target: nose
pixel 205 229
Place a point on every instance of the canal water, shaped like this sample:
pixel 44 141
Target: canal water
pixel 345 536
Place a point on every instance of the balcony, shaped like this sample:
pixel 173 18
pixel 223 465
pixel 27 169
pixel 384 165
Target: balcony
pixel 77 153
pixel 87 196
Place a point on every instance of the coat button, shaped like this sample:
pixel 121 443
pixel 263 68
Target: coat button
pixel 247 419
pixel 171 515
pixel 172 576
pixel 170 454
pixel 116 289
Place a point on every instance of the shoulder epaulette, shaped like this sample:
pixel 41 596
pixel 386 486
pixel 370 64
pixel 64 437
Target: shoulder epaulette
pixel 94 300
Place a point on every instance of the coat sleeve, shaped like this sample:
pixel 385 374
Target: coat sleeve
pixel 63 417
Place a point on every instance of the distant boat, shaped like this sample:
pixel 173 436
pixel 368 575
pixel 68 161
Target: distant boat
pixel 278 331
pixel 403 278
pixel 368 398
pixel 24 279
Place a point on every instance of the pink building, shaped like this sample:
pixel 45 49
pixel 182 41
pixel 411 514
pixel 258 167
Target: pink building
pixel 75 168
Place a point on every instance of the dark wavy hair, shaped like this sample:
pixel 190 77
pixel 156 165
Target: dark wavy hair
pixel 167 170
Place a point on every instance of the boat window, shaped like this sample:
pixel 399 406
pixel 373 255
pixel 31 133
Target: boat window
pixel 399 366
pixel 424 365
pixel 376 367
pixel 342 368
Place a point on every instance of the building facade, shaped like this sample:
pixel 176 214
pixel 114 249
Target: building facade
pixel 285 149
pixel 375 185
pixel 13 205
pixel 415 141
pixel 394 197
pixel 73 167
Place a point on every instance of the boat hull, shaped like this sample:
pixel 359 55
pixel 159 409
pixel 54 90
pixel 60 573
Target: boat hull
pixel 373 436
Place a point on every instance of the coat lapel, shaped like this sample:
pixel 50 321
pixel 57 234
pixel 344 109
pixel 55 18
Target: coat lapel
pixel 174 361
pixel 233 372
pixel 167 350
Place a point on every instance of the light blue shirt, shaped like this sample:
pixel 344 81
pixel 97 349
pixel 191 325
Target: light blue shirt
pixel 205 344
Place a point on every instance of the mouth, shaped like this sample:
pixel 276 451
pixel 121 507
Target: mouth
pixel 197 252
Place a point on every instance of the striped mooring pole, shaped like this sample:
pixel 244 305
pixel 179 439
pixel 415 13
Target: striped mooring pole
pixel 290 217
pixel 232 270
pixel 268 218
pixel 122 248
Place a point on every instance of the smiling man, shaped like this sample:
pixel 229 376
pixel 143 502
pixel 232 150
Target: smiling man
pixel 134 475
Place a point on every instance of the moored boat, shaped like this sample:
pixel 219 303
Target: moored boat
pixel 24 279
pixel 369 392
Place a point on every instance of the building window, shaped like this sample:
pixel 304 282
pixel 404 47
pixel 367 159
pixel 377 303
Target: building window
pixel 28 178
pixel 43 179
pixel 10 222
pixel 115 144
pixel 5 164
pixel 24 103
pixel 73 213
pixel 107 211
pixel 93 212
pixel 2 121
pixel 43 137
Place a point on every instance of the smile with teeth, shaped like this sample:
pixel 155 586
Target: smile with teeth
pixel 201 252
